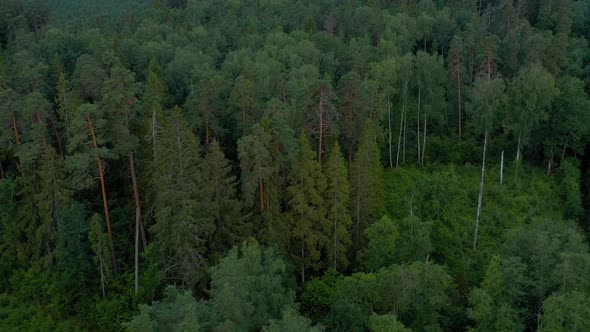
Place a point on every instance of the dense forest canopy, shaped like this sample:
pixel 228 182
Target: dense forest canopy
pixel 276 165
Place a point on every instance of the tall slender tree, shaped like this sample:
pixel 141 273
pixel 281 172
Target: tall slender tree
pixel 366 181
pixel 337 201
pixel 307 210
pixel 487 97
pixel 183 219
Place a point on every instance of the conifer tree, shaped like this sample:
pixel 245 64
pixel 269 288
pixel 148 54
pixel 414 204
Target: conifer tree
pixel 256 165
pixel 119 100
pixel 86 143
pixel 322 112
pixel 337 202
pixel 366 181
pixel 307 211
pixel 225 208
pixel 183 224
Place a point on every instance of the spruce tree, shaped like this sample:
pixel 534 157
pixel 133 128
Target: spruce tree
pixel 257 172
pixel 307 211
pixel 183 224
pixel 337 202
pixel 225 208
pixel 367 185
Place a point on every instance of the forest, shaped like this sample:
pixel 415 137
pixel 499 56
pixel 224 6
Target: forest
pixel 295 165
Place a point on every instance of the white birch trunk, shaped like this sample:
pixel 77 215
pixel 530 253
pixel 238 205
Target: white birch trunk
pixel 424 141
pixel 418 123
pixel 399 141
pixel 390 133
pixel 480 196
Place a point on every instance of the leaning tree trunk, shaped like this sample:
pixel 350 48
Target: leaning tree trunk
pixel 480 196
pixel 424 141
pixel 458 72
pixel 390 133
pixel 399 141
pixel 104 194
pixel 138 219
pixel 303 260
pixel 418 123
pixel 405 134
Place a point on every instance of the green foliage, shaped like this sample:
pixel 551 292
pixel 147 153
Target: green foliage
pixel 291 321
pixel 307 210
pixel 250 286
pixel 495 304
pixel 566 312
pixel 224 206
pixel 337 201
pixel 386 323
pixel 176 312
pixel 569 185
pixel 382 244
pixel 315 300
pixel 85 88
pixel 366 181
pixel 184 223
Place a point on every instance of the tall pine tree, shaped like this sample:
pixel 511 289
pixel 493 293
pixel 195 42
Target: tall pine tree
pixel 307 211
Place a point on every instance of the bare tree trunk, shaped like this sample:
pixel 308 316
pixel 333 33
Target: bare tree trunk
pixel 458 71
pixel 302 261
pixel 480 196
pixel 563 150
pixel 137 218
pixel 335 243
pixel 321 129
pixel 418 122
pixel 399 141
pixel 357 229
pixel 15 127
pixel 424 141
pixel 261 194
pixel 405 134
pixel 102 278
pixel 1 171
pixel 390 133
pixel 502 167
pixel 104 194
pixel 549 166
pixel 517 157
pixel 57 138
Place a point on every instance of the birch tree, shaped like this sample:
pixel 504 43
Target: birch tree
pixel 487 96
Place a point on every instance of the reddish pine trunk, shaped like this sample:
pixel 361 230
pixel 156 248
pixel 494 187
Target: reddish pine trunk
pixel 57 138
pixel 14 126
pixel 104 193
